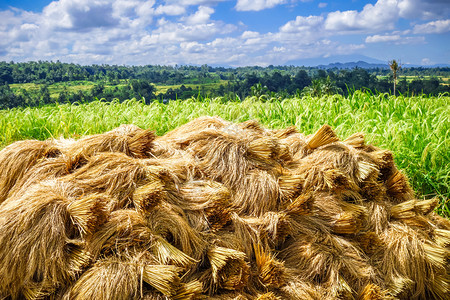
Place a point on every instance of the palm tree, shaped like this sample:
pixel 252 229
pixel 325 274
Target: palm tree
pixel 393 64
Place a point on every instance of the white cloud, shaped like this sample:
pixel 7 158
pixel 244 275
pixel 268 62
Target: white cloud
pixel 171 10
pixel 396 39
pixel 322 5
pixel 382 38
pixel 195 2
pixel 80 14
pixel 201 16
pixel 426 62
pixel 303 24
pixel 380 16
pixel 440 26
pixel 257 5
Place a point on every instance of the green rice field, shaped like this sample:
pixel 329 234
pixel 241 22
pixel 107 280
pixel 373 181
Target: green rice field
pixel 416 129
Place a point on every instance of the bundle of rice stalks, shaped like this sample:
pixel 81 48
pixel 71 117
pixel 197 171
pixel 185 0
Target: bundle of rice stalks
pixel 211 200
pixel 17 158
pixel 114 174
pixel 125 277
pixel 170 223
pixel 41 234
pixel 272 272
pixel 229 270
pixel 422 263
pixel 217 210
pixel 128 139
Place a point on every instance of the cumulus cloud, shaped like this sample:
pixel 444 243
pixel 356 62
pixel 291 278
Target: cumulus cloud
pixel 440 26
pixel 380 16
pixel 80 15
pixel 395 39
pixel 171 10
pixel 426 61
pixel 303 24
pixel 201 16
pixel 382 38
pixel 257 5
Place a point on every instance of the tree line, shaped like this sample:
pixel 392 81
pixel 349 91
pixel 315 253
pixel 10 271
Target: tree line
pixel 127 82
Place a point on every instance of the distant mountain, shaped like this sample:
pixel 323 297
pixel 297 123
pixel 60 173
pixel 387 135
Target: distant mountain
pixel 337 59
pixel 351 62
pixel 352 65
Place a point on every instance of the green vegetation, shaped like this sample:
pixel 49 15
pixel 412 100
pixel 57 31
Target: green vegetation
pixel 40 83
pixel 416 129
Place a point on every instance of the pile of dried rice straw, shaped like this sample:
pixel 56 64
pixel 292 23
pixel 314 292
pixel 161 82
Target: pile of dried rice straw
pixel 215 210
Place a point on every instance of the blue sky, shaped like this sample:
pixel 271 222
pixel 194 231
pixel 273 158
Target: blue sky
pixel 227 33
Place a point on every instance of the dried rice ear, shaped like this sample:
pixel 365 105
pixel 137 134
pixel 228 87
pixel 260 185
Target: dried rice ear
pixel 187 291
pixel 41 237
pixel 407 255
pixel 442 237
pixel 397 186
pixel 228 271
pixel 297 289
pixel 149 195
pixel 338 266
pixel 45 169
pixel 179 168
pixel 332 167
pixel 170 223
pixel 256 194
pixel 268 296
pixel 123 277
pixel 253 127
pixel 372 190
pixel 356 140
pixel 302 205
pixel 412 212
pixel 350 221
pixel 125 229
pixel 370 243
pixel 271 272
pixel 285 132
pixel 296 143
pixel 221 156
pixel 128 139
pixel 243 234
pixel 211 199
pixel 18 158
pixel 342 217
pixel 193 127
pixel 440 222
pixel 324 136
pixel 114 174
pixel 240 295
pixel 378 216
pixel 34 291
pixel 290 186
pixel 264 153
pixel 374 292
pixel 274 228
pixel 384 160
pixel 337 181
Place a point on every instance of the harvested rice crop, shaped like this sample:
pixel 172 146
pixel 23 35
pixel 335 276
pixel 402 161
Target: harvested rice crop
pixel 217 210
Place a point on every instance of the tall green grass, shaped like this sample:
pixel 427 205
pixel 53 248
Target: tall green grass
pixel 416 129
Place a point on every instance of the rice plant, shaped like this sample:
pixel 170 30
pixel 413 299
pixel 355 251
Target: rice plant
pixel 416 129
